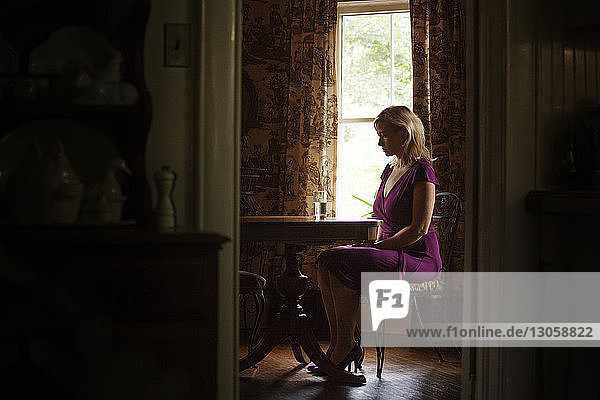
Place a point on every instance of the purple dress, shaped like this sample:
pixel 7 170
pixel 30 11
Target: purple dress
pixel 347 262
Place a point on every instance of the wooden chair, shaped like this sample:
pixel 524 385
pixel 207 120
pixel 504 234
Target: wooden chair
pixel 251 284
pixel 446 215
pixel 249 178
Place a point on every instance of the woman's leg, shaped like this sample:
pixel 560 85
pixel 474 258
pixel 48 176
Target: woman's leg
pixel 347 305
pixel 327 295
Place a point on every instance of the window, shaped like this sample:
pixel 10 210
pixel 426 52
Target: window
pixel 374 71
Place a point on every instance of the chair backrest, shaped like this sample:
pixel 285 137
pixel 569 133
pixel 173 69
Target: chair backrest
pixel 446 214
pixel 249 178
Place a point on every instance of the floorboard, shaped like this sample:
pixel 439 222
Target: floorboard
pixel 412 373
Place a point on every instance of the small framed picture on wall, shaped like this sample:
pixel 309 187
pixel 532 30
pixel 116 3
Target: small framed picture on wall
pixel 177 45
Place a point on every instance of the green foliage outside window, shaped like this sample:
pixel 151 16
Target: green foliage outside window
pixel 366 63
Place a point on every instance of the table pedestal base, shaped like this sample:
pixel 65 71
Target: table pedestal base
pixel 291 322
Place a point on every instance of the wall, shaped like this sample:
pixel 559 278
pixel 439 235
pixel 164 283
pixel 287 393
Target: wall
pixel 537 69
pixel 568 74
pixel 568 77
pixel 196 130
pixel 531 75
pixel 170 136
pixel 568 85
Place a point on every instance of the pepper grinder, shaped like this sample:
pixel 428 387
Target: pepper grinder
pixel 165 209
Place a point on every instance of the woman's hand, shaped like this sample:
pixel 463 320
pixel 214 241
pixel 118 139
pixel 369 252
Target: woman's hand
pixel 366 243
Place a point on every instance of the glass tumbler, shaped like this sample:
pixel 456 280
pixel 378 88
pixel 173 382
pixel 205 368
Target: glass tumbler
pixel 320 204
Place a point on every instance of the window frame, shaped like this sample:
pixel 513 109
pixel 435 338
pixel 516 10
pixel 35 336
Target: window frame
pixel 345 8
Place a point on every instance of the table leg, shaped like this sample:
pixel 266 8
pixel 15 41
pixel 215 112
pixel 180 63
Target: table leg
pixel 291 321
pixel 273 336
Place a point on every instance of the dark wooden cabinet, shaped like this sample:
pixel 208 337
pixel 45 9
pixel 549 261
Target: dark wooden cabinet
pixel 567 224
pixel 90 311
pixel 564 202
pixel 108 313
pixel 567 238
pixel 26 24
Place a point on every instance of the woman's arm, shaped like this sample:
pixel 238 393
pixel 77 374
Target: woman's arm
pixel 423 202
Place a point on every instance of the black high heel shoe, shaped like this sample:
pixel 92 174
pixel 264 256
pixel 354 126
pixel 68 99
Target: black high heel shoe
pixel 312 367
pixel 358 363
pixel 356 356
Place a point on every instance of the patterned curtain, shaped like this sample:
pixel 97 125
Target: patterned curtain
pixel 311 113
pixel 439 89
pixel 289 113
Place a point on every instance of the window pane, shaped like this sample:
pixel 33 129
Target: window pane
pixel 402 60
pixel 367 81
pixel 366 65
pixel 360 163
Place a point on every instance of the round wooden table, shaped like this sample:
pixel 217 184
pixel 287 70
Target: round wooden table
pixel 291 320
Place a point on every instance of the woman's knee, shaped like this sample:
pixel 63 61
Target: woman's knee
pixel 321 262
pixel 325 258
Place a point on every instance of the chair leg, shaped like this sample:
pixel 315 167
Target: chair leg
pixel 380 358
pixel 445 316
pixel 416 308
pixel 243 307
pixel 259 301
pixel 380 339
pixel 439 354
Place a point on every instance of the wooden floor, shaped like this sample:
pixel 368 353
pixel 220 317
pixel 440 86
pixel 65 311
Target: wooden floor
pixel 407 374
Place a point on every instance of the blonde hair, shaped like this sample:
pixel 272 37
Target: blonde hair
pixel 402 117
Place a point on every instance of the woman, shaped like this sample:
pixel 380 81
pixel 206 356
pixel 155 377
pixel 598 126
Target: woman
pixel 406 242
